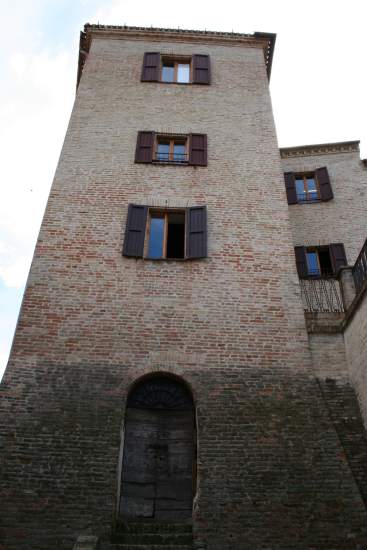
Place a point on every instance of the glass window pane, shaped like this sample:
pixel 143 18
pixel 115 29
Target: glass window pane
pixel 300 190
pixel 162 151
pixel 312 189
pixel 311 184
pixel 313 266
pixel 168 73
pixel 156 237
pixel 179 152
pixel 183 72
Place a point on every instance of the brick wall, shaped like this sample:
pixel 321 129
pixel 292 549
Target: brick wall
pixel 356 348
pixel 271 470
pixel 341 219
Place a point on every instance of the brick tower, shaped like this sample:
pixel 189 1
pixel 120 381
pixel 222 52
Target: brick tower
pixel 160 391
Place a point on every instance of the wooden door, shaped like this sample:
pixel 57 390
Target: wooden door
pixel 158 457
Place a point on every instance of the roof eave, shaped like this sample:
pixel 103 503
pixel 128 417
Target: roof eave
pixel 264 40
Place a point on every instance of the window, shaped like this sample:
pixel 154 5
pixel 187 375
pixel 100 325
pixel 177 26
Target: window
pixel 176 71
pixel 171 234
pixel 320 261
pixel 166 235
pixel 171 149
pixel 171 69
pixel 308 186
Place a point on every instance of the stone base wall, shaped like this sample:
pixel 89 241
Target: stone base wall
pixel 271 469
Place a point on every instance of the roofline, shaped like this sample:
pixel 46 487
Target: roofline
pixel 257 39
pixel 320 149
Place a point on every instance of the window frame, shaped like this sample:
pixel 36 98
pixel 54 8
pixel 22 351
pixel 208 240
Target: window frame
pixel 319 274
pixel 305 176
pixel 171 138
pixel 196 148
pixel 195 230
pixel 323 186
pixel 165 213
pixel 176 60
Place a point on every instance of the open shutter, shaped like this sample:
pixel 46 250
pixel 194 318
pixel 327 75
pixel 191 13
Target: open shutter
pixel 290 187
pixel 144 147
pixel 201 69
pixel 151 67
pixel 322 176
pixel 337 256
pixel 198 147
pixel 135 230
pixel 196 233
pixel 301 261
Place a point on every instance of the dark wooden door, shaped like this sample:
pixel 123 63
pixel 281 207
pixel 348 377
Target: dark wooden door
pixel 158 461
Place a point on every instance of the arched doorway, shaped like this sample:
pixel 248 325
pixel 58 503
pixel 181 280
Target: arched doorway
pixel 159 451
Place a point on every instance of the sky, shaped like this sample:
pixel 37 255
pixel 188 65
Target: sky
pixel 318 88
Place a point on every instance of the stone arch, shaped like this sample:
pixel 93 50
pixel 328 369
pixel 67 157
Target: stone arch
pixel 159 458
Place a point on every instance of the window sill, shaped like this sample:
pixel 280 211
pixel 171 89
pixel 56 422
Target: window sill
pixel 165 259
pixel 170 162
pixel 180 83
pixel 309 201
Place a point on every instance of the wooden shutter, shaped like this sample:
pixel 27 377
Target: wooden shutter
pixel 322 176
pixel 196 232
pixel 337 256
pixel 135 230
pixel 151 67
pixel 198 147
pixel 301 261
pixel 290 187
pixel 144 147
pixel 201 69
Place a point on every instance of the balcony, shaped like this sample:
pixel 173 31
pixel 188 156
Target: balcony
pixel 359 270
pixel 321 295
pixel 329 303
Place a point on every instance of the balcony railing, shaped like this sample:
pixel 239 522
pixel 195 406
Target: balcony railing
pixel 171 158
pixel 359 269
pixel 321 295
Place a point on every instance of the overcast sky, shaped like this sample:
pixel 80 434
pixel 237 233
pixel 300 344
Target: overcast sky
pixel 318 88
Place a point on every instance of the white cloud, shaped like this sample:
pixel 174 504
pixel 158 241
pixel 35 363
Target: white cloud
pixel 35 118
pixel 14 265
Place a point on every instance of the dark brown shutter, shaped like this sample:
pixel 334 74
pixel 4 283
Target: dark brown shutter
pixel 201 69
pixel 337 256
pixel 144 147
pixel 196 233
pixel 198 150
pixel 151 67
pixel 322 176
pixel 301 261
pixel 135 230
pixel 290 187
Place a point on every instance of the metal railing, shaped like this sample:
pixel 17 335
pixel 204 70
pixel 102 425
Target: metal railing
pixel 174 158
pixel 321 295
pixel 311 197
pixel 359 269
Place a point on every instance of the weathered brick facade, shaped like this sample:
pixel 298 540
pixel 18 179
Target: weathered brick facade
pixel 343 219
pixel 272 469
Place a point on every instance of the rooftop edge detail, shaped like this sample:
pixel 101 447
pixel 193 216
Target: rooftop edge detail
pixel 320 149
pixel 265 40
